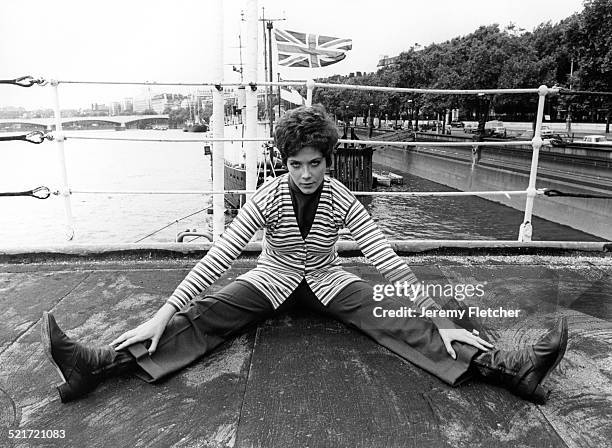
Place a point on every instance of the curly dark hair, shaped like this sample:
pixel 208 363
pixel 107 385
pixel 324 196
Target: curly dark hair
pixel 306 126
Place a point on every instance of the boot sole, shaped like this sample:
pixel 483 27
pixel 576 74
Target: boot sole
pixel 45 336
pixel 539 395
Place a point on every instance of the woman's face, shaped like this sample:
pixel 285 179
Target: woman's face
pixel 307 169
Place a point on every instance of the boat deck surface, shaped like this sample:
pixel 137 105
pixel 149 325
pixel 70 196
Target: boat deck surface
pixel 301 380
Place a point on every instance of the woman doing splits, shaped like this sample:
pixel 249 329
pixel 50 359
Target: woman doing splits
pixel 301 213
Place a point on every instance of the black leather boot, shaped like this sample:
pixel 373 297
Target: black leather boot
pixel 522 371
pixel 81 368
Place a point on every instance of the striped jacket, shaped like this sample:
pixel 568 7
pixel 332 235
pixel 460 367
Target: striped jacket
pixel 286 258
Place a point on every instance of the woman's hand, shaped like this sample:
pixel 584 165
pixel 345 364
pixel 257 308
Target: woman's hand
pixel 149 330
pixel 449 335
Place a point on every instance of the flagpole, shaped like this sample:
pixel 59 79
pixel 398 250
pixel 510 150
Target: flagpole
pixel 310 84
pixel 269 26
pixel 278 91
pixel 265 52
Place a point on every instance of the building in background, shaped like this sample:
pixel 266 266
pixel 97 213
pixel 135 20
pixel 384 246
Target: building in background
pixel 127 105
pixel 164 101
pixel 100 110
pixel 115 108
pixel 386 61
pixel 142 102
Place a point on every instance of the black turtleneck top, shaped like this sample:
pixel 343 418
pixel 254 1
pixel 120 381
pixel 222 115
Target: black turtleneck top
pixel 304 206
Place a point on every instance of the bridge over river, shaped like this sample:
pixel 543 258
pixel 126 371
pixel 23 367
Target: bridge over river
pixel 118 122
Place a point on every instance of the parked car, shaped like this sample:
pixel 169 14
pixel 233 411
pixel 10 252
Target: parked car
pixel 427 125
pixel 594 139
pixel 546 131
pixel 456 124
pixel 470 128
pixel 559 138
pixel 495 128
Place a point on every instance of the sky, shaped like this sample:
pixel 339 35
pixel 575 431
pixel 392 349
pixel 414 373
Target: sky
pixel 171 40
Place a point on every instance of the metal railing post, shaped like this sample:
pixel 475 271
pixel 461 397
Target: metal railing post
pixel 61 155
pixel 251 97
pixel 526 228
pixel 218 122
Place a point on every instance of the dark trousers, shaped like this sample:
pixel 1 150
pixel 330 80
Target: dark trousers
pixel 207 322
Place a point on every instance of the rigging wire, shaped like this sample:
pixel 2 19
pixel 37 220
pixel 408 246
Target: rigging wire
pixel 171 223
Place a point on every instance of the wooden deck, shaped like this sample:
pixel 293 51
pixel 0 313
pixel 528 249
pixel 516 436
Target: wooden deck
pixel 301 380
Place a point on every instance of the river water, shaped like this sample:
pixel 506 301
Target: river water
pixel 128 165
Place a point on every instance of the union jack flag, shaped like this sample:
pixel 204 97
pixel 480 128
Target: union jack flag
pixel 309 50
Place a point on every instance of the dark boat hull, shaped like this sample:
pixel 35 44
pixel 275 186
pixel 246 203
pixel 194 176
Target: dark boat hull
pixel 235 179
pixel 196 128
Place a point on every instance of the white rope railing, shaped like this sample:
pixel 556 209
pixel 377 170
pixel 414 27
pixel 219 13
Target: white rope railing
pixel 168 140
pixel 356 193
pixel 186 84
pixel 341 141
pixel 436 143
pixel 428 91
pixel 316 84
pixel 443 193
pixel 152 83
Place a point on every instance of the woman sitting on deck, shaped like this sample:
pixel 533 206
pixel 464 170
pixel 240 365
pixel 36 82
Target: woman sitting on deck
pixel 301 212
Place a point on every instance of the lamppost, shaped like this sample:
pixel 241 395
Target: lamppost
pixel 346 116
pixel 409 116
pixel 568 119
pixel 482 116
pixel 370 119
pixel 411 113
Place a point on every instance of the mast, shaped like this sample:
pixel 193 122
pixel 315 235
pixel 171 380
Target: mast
pixel 250 75
pixel 265 51
pixel 269 26
pixel 240 55
pixel 217 162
